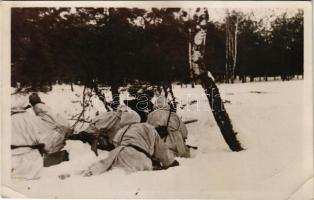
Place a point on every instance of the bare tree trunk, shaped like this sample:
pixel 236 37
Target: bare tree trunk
pixel 80 117
pixel 173 98
pixel 227 52
pixel 230 54
pixel 231 47
pixel 164 87
pixel 220 114
pixel 243 79
pixel 72 89
pixel 190 57
pixel 167 86
pixel 190 52
pixel 115 96
pixel 235 50
pixel 211 90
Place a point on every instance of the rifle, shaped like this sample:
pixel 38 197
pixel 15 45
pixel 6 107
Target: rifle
pixel 190 121
pixel 96 141
pixel 84 137
pixel 40 147
pixel 191 147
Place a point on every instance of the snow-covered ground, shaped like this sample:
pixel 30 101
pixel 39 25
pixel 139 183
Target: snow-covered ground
pixel 268 117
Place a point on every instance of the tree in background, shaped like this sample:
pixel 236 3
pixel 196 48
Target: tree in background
pixel 32 62
pixel 199 71
pixel 231 23
pixel 251 44
pixel 287 41
pixel 100 44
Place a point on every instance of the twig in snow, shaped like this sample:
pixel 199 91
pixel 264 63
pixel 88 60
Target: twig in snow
pixel 82 112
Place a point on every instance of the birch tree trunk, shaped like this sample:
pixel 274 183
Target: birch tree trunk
pixel 211 90
pixel 227 51
pixel 235 49
pixel 190 57
pixel 231 46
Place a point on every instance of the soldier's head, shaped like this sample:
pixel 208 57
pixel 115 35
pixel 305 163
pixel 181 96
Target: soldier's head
pixel 129 117
pixel 161 103
pixel 34 99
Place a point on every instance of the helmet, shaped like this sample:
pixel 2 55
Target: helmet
pixel 161 102
pixel 34 99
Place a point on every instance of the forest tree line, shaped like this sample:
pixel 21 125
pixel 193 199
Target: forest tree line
pixel 115 46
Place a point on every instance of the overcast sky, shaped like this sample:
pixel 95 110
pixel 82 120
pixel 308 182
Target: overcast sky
pixel 218 14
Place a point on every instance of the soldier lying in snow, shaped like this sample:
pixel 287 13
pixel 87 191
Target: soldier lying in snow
pixel 102 129
pixel 30 140
pixel 170 127
pixel 137 144
pixel 52 120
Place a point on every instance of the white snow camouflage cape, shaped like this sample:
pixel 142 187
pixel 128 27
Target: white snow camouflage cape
pixel 176 128
pixel 106 124
pixel 109 123
pixel 28 129
pixel 53 121
pixel 128 158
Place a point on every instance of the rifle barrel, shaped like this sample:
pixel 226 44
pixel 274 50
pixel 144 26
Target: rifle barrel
pixel 190 121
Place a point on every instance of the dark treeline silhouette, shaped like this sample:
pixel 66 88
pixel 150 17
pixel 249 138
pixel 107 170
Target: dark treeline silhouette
pixel 261 52
pixel 115 46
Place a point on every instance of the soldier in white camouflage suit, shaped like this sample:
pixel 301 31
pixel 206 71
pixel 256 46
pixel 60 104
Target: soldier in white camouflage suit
pixel 99 134
pixel 170 127
pixel 30 138
pixel 51 120
pixel 136 146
